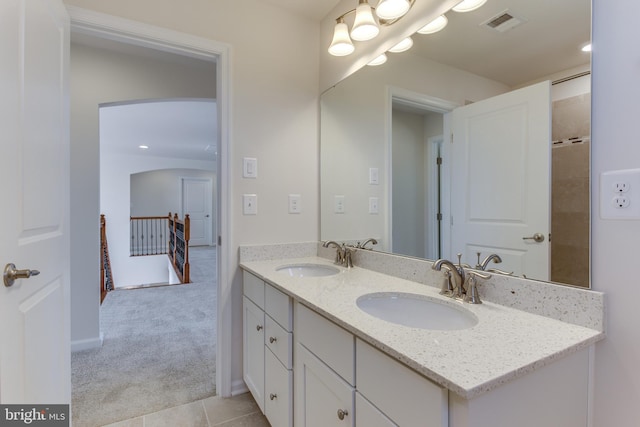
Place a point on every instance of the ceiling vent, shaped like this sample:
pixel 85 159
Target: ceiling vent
pixel 503 22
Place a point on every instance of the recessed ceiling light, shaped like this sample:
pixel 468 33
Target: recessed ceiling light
pixel 143 147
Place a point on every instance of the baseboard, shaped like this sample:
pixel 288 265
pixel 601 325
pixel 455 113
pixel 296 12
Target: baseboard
pixel 87 344
pixel 238 387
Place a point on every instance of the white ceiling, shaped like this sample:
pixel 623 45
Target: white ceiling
pixel 181 129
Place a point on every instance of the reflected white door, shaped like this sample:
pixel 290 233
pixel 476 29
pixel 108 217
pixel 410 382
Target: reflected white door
pixel 500 180
pixel 34 312
pixel 196 202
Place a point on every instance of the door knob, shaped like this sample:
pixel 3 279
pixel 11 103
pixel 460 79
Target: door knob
pixel 11 274
pixel 538 237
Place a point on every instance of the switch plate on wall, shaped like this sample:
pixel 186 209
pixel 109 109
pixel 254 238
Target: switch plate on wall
pixel 620 194
pixel 373 176
pixel 250 204
pixel 338 204
pixel 294 204
pixel 249 167
pixel 373 205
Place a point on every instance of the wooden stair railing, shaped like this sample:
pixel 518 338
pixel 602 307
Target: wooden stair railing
pixel 178 251
pixel 106 276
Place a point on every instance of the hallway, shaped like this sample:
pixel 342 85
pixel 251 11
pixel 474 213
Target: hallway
pixel 159 349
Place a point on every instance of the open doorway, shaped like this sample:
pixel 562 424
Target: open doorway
pixel 111 75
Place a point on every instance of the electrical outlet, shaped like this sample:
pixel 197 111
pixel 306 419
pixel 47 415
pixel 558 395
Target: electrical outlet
pixel 294 204
pixel 621 187
pixel 338 204
pixel 621 202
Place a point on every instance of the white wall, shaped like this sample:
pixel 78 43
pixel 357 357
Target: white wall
pixel 115 196
pixel 274 116
pixel 615 145
pixel 99 76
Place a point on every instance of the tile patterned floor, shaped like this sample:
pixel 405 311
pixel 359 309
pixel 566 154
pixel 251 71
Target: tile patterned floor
pixel 238 411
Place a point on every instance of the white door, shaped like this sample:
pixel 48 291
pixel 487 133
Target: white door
pixel 500 180
pixel 196 202
pixel 34 312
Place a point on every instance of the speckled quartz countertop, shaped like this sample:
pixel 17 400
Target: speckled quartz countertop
pixel 505 343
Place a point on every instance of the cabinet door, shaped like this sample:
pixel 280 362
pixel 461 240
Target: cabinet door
pixel 253 350
pixel 323 399
pixel 369 415
pixel 277 392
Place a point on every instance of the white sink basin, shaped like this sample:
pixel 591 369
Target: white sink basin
pixel 307 270
pixel 416 311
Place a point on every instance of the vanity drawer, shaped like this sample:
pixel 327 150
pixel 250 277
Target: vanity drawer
pixel 380 377
pixel 253 288
pixel 279 341
pixel 278 306
pixel 329 342
pixel 278 407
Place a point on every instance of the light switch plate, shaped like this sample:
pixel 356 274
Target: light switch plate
pixel 338 204
pixel 373 176
pixel 373 205
pixel 249 167
pixel 250 204
pixel 295 206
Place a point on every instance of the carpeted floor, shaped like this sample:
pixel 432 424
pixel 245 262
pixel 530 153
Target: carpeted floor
pixel 158 351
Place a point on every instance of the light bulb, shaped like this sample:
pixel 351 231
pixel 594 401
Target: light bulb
pixel 364 25
pixel 468 5
pixel 405 44
pixel 378 60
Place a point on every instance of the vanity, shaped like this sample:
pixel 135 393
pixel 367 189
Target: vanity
pixel 314 357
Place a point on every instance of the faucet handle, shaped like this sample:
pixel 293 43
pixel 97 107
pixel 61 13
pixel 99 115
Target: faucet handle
pixel 472 296
pixel 497 270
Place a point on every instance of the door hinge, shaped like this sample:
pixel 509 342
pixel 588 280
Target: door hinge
pixel 439 217
pixel 219 240
pixel 451 138
pixel 439 160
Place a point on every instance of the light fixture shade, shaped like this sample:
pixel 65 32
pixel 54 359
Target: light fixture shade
pixel 378 60
pixel 365 26
pixel 392 9
pixel 434 26
pixel 468 5
pixel 404 45
pixel 341 45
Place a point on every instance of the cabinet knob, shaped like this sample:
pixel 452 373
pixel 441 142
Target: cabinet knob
pixel 273 396
pixel 258 328
pixel 272 339
pixel 342 413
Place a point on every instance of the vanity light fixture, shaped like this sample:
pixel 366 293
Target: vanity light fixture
pixel 468 5
pixel 392 9
pixel 365 26
pixel 404 45
pixel 378 60
pixel 434 26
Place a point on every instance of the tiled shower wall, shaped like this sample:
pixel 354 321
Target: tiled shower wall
pixel 570 204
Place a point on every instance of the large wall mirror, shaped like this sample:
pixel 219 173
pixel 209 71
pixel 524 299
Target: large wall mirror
pixel 510 82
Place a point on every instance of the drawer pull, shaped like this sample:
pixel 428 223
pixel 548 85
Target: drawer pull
pixel 342 413
pixel 258 328
pixel 272 339
pixel 273 396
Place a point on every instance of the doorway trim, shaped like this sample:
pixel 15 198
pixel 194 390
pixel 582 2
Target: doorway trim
pixel 139 34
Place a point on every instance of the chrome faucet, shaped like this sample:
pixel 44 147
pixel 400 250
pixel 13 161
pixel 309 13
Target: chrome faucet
pixel 362 246
pixel 343 253
pixel 483 265
pixel 457 275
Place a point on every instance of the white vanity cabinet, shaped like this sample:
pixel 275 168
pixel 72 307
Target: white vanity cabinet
pixel 268 349
pixel 324 372
pixel 343 381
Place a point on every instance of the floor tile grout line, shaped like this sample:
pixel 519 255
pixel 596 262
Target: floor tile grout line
pixel 206 416
pixel 235 418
